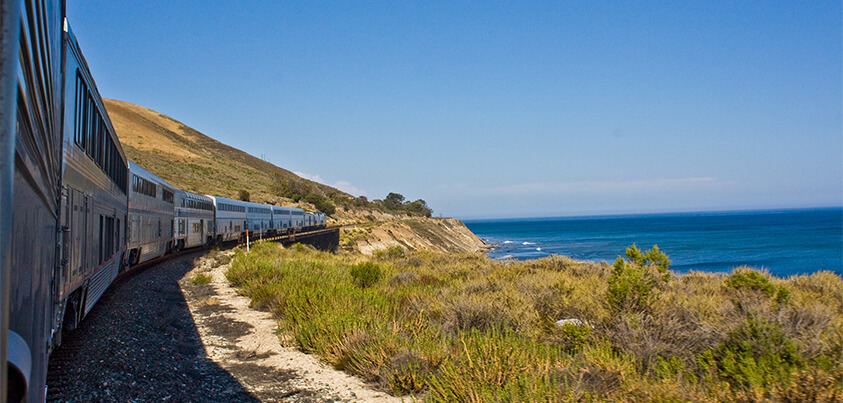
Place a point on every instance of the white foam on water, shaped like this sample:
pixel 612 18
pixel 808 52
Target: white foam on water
pixel 507 242
pixel 528 243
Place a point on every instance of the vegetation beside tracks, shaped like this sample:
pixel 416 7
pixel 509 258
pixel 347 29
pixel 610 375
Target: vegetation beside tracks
pixel 462 327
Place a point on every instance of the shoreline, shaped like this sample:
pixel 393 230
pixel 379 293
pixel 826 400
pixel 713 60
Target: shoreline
pixel 785 243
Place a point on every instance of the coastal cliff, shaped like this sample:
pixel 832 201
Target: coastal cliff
pixel 446 235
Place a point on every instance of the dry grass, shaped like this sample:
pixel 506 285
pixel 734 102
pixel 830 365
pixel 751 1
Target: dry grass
pixel 465 328
pixel 192 161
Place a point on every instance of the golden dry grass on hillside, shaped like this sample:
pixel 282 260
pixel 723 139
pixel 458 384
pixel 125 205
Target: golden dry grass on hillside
pixel 195 162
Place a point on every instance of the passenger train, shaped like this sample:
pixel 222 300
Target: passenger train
pixel 74 212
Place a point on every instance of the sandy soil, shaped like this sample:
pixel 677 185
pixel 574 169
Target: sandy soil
pixel 244 341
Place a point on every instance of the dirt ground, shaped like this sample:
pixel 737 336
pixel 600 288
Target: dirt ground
pixel 156 336
pixel 245 342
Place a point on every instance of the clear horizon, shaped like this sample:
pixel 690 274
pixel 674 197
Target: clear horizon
pixel 654 213
pixel 499 109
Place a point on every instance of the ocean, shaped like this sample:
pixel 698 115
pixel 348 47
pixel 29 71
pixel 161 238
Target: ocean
pixel 783 242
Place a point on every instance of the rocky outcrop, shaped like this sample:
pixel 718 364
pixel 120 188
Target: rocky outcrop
pixel 437 234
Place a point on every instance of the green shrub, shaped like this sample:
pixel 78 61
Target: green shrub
pixel 201 278
pixel 391 252
pixel 757 354
pixel 365 274
pixel 632 281
pixel 321 203
pixel 747 279
pixel 574 336
pixel 783 295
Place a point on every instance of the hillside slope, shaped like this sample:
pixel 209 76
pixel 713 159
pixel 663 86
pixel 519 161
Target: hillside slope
pixel 195 162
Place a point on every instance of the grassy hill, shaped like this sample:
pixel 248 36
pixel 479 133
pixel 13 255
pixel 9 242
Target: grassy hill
pixel 195 162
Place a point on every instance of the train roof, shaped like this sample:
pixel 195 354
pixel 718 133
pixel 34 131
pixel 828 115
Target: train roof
pixel 282 208
pixel 189 195
pixel 143 173
pixel 218 199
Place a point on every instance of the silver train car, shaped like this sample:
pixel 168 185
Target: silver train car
pixel 259 218
pixel 194 215
pixel 151 216
pixel 229 220
pixel 297 222
pixel 94 209
pixel 64 185
pixel 31 194
pixel 314 221
pixel 282 218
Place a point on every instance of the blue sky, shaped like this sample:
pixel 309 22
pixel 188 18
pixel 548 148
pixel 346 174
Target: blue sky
pixel 501 109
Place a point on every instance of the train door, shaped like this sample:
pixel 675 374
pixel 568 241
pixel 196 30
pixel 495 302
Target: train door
pixel 78 217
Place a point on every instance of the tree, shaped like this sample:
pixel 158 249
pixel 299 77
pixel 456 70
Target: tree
pixel 322 204
pixel 394 201
pixel 419 207
pixel 243 195
pixel 294 190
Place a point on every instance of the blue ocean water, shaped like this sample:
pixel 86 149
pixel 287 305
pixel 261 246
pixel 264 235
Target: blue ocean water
pixel 783 242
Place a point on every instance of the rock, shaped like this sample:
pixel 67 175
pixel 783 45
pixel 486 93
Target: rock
pixel 572 321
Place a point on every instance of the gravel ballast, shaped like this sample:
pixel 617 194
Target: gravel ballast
pixel 141 342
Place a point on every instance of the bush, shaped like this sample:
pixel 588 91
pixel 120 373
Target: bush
pixel 321 203
pixel 744 278
pixel 243 195
pixel 201 278
pixel 573 336
pixel 632 282
pixel 366 274
pixel 392 252
pixel 748 279
pixel 757 354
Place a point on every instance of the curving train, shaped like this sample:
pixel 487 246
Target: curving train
pixel 74 212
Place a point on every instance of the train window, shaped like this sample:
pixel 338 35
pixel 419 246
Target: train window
pixel 85 122
pixel 79 127
pixel 167 195
pixel 96 146
pixel 89 124
pixel 105 153
pixel 109 237
pixel 101 244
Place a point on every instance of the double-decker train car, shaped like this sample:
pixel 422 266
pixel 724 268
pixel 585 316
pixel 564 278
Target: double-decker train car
pixel 194 215
pixel 31 194
pixel 229 220
pixel 151 216
pixel 69 196
pixel 309 221
pixel 281 219
pixel 314 221
pixel 259 218
pixel 297 222
pixel 94 208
